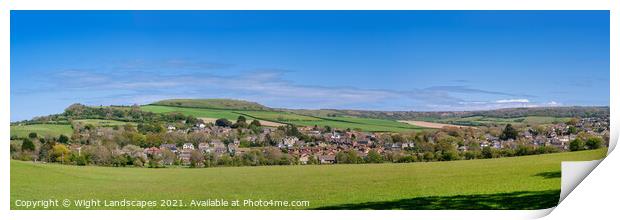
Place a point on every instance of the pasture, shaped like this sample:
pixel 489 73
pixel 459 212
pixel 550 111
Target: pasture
pixel 527 182
pixel 363 124
pixel 102 123
pixel 480 120
pixel 43 130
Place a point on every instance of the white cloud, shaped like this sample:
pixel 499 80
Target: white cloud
pixel 513 101
pixel 127 85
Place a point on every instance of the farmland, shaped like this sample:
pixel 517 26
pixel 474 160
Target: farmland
pixel 364 124
pixel 102 123
pixel 528 182
pixel 482 120
pixel 196 112
pixel 53 130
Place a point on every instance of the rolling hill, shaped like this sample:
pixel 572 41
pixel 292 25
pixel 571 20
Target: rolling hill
pixel 528 182
pixel 213 103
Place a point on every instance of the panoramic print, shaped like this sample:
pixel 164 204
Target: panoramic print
pixel 351 110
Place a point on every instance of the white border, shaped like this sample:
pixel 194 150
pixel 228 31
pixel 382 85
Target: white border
pixel 6 5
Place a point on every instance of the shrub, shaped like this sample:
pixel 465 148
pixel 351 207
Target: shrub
pixel 577 144
pixel 27 145
pixel 594 142
pixel 32 135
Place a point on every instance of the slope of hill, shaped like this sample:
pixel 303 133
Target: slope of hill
pixel 527 182
pixel 213 103
pixel 564 111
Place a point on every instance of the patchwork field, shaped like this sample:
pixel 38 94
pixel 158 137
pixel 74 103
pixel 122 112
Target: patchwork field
pixel 480 120
pixel 528 182
pixel 431 124
pixel 196 112
pixel 103 123
pixel 53 130
pixel 364 124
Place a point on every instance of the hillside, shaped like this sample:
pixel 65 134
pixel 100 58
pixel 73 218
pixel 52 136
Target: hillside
pixel 565 111
pixel 213 103
pixel 528 182
pixel 231 104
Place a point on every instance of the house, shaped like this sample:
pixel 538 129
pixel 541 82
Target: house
pixel 362 143
pixel 185 156
pixel 216 144
pixel 484 144
pixel 335 135
pixel 220 150
pixel 462 148
pixel 201 125
pixel 171 147
pixel 152 151
pixel 288 142
pixel 188 146
pixel 496 144
pixel 232 148
pixel 362 154
pixel 204 147
pixel 304 158
pixel 408 145
pixel 327 159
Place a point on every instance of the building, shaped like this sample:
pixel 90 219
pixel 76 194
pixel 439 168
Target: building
pixel 327 159
pixel 188 146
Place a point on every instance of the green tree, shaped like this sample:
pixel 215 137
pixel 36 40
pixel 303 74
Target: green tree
pixel 60 153
pixel 241 118
pixel 488 152
pixel 572 130
pixel 509 132
pixel 27 145
pixel 63 139
pixel 450 155
pixel 594 142
pixel 374 157
pixel 255 123
pixel 577 144
pixel 196 159
pixel 222 122
pixel 32 135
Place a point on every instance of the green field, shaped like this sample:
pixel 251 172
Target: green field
pixel 197 112
pixel 364 124
pixel 481 120
pixel 53 130
pixel 213 104
pixel 103 123
pixel 528 182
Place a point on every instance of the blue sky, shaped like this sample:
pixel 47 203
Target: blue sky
pixel 375 60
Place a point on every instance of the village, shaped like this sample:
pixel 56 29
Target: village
pixel 165 140
pixel 327 144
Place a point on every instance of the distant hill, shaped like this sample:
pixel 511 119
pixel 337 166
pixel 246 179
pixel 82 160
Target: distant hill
pixel 231 104
pixel 213 103
pixel 564 111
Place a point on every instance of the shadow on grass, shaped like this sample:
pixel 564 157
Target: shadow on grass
pixel 550 175
pixel 515 200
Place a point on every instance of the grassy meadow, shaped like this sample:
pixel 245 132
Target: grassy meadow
pixel 481 120
pixel 102 123
pixel 364 124
pixel 528 182
pixel 52 130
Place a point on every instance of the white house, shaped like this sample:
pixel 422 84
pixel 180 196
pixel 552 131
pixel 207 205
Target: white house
pixel 188 146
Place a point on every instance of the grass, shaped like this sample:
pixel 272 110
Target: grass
pixel 102 123
pixel 364 124
pixel 213 103
pixel 528 182
pixel 53 130
pixel 481 120
pixel 197 112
